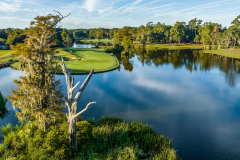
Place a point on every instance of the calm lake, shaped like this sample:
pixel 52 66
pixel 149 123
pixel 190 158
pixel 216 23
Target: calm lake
pixel 190 97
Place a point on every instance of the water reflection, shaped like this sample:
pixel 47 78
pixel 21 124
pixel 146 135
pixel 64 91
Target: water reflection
pixel 192 60
pixel 80 45
pixel 4 113
pixel 182 94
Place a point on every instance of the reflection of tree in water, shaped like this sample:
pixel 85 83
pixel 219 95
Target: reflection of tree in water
pixel 3 113
pixel 125 60
pixel 3 110
pixel 193 60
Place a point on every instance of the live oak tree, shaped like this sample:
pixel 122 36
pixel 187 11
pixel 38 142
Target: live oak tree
pixel 177 32
pixel 214 33
pixel 38 94
pixel 236 22
pixel 236 29
pixel 206 33
pixel 127 39
pixel 17 36
pixel 66 36
pixel 117 38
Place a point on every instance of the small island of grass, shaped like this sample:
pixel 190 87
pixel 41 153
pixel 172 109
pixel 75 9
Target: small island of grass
pixel 82 60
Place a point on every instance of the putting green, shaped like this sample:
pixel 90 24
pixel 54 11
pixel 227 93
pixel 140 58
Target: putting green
pixel 82 60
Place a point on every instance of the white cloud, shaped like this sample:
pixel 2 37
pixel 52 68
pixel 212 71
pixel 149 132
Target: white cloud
pixel 12 6
pixel 14 18
pixel 90 5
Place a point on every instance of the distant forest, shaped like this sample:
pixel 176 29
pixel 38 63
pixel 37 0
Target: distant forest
pixel 195 32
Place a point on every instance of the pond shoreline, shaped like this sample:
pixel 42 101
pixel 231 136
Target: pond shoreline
pixel 73 73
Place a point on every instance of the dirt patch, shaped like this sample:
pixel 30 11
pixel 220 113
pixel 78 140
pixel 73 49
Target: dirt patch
pixel 71 58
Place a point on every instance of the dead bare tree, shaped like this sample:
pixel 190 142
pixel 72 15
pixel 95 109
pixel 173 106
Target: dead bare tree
pixel 72 104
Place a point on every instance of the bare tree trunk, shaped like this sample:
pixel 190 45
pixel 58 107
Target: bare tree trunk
pixel 234 44
pixel 227 45
pixel 72 104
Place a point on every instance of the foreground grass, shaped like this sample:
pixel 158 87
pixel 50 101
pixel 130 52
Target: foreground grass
pixel 108 138
pixel 82 60
pixel 6 55
pixel 224 52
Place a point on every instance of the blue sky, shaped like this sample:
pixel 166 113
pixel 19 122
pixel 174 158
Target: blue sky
pixel 118 13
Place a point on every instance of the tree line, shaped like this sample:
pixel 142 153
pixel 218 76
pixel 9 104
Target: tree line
pixel 195 31
pixel 11 36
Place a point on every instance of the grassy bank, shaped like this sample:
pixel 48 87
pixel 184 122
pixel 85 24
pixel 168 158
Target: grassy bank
pixel 6 55
pixel 95 40
pixel 223 52
pixel 168 46
pixel 171 46
pixel 82 60
pixel 108 138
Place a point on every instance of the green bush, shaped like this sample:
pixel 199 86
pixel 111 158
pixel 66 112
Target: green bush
pixel 214 47
pixel 114 49
pixel 107 138
pixel 108 50
pixel 223 46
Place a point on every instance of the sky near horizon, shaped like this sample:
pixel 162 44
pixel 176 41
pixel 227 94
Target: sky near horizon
pixel 118 13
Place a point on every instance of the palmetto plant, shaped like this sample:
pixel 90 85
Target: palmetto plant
pixel 3 109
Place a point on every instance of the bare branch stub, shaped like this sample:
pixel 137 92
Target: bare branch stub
pixel 61 14
pixel 84 109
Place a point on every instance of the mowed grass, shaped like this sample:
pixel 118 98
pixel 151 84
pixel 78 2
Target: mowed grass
pixel 95 40
pixel 6 55
pixel 171 46
pixel 224 52
pixel 83 60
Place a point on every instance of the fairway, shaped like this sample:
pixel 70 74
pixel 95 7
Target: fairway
pixel 95 40
pixel 6 55
pixel 82 60
pixel 223 52
pixel 170 46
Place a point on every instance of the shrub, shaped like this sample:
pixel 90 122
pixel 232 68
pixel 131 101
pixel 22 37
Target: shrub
pixel 108 138
pixel 108 50
pixel 214 47
pixel 222 46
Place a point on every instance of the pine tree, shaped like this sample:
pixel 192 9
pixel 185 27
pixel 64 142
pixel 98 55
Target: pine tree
pixel 38 94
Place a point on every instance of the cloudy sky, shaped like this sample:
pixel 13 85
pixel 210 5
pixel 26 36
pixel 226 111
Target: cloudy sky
pixel 118 13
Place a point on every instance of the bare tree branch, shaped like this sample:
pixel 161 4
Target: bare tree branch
pixel 61 14
pixel 78 95
pixel 72 89
pixel 83 109
pixel 53 34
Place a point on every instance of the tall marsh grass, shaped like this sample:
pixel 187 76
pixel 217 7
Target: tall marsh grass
pixel 108 138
